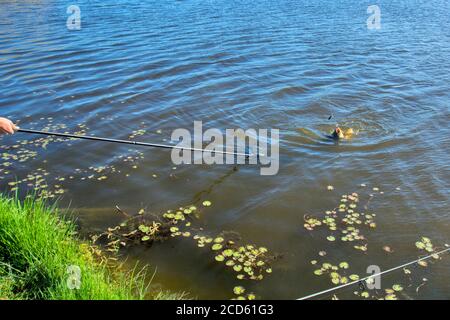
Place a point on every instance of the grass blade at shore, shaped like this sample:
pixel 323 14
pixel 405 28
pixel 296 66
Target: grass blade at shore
pixel 36 249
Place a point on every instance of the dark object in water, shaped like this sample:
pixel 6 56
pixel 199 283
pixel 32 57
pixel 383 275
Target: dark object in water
pixel 337 134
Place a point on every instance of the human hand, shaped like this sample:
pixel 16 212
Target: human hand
pixel 7 127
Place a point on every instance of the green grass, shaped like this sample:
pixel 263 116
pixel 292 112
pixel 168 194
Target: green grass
pixel 36 248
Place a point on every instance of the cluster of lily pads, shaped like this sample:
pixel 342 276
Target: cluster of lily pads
pixel 337 273
pixel 239 291
pixel 340 273
pixel 344 221
pixel 388 293
pixel 425 244
pixel 248 261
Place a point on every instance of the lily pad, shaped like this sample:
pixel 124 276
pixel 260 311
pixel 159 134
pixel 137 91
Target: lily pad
pixel 207 203
pixel 397 287
pixel 237 268
pixel 354 277
pixel 238 290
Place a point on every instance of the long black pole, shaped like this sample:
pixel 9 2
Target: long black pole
pixel 136 143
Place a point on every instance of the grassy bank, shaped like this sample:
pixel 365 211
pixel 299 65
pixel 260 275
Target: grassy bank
pixel 36 249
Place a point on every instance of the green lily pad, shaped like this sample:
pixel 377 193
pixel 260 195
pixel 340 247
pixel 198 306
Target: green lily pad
pixel 354 277
pixel 206 203
pixel 397 287
pixel 230 263
pixel 426 240
pixel 144 228
pixel 238 290
pixel 218 240
pixel 227 253
pixel 247 269
pixel 334 275
pixel 420 245
pixel 237 268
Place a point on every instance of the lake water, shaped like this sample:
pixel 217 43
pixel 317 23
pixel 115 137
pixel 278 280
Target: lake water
pixel 160 65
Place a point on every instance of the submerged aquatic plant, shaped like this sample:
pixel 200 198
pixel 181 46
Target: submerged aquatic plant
pixel 248 261
pixel 147 229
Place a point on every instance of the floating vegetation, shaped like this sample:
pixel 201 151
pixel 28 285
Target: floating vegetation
pixel 338 273
pixel 341 274
pixel 247 261
pixel 146 229
pixel 207 203
pixel 28 149
pixel 345 222
pixel 42 182
pixel 239 291
pixel 425 244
